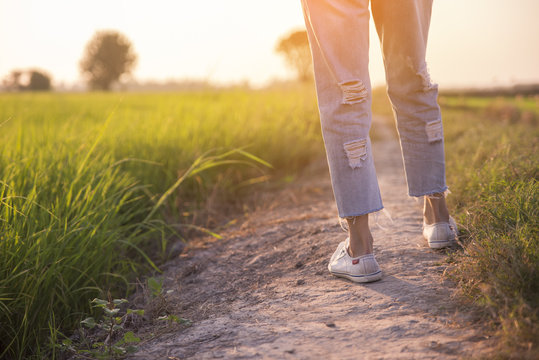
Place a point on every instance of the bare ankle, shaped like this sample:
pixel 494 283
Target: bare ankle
pixel 361 241
pixel 435 209
pixel 359 248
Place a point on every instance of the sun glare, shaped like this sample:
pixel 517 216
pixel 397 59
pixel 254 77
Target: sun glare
pixel 235 41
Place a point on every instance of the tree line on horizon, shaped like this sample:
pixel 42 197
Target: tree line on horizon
pixel 109 57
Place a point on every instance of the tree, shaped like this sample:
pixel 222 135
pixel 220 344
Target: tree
pixel 108 56
pixel 295 49
pixel 12 82
pixel 27 80
pixel 39 81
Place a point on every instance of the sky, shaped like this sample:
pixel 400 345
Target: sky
pixel 471 42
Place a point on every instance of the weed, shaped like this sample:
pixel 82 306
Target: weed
pixel 110 333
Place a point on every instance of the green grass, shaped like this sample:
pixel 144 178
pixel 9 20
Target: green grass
pixel 90 183
pixel 492 156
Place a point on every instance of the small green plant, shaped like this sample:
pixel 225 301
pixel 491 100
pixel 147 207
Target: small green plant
pixel 156 294
pixel 174 319
pixel 111 325
pixel 155 286
pixel 105 336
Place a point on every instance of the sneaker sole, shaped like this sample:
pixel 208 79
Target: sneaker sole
pixel 441 244
pixel 360 278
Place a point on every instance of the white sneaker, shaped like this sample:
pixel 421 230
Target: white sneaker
pixel 359 269
pixel 441 234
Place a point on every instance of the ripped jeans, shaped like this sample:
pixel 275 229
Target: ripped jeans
pixel 338 32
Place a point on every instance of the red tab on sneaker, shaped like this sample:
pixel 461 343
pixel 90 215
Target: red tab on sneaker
pixel 355 261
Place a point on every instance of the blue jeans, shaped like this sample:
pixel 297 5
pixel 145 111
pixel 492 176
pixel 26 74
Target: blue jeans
pixel 338 32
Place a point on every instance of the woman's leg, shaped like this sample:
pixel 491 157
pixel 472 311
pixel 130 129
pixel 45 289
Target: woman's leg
pixel 339 39
pixel 403 27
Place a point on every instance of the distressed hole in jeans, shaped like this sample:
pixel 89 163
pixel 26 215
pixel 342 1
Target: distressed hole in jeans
pixel 434 130
pixel 425 78
pixel 353 92
pixel 356 151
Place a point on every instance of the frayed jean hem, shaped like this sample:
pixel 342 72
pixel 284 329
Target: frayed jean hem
pixel 430 192
pixel 361 214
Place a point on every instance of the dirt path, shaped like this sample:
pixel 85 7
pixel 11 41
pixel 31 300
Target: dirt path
pixel 264 291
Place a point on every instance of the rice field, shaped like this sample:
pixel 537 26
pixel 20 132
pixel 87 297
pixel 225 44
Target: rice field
pixel 89 183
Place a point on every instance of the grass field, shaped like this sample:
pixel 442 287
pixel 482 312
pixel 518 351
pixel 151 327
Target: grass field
pixel 92 183
pixel 492 151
